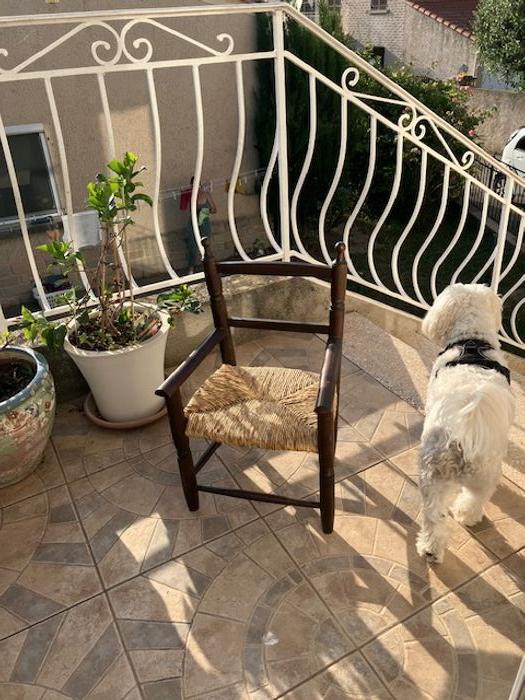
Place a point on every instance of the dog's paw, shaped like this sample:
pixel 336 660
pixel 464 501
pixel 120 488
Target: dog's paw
pixel 429 549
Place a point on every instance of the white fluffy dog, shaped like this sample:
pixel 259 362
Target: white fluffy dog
pixel 469 411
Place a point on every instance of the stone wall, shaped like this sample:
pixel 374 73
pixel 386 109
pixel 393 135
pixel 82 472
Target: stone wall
pixel 509 116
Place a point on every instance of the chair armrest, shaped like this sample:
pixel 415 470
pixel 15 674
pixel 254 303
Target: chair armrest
pixel 190 364
pixel 329 376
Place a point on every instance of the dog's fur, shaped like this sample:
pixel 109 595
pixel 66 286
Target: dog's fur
pixel 469 411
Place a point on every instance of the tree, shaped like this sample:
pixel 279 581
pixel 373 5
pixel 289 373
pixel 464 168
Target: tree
pixel 499 27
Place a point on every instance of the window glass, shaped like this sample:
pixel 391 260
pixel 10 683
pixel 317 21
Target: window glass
pixel 33 178
pixel 520 146
pixel 378 5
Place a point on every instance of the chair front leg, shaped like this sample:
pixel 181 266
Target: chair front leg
pixel 326 446
pixel 182 444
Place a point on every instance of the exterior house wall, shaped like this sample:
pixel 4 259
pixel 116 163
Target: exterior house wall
pixel 509 116
pixel 436 50
pixel 410 37
pixel 86 139
pixel 370 28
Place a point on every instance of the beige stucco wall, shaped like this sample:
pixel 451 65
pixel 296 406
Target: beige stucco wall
pixel 85 133
pixel 509 115
pixel 434 49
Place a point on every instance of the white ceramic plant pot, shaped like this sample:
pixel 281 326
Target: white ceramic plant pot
pixel 123 382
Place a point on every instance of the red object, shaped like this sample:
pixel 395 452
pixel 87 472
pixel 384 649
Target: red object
pixel 185 199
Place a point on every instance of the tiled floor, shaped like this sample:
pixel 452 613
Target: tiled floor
pixel 110 588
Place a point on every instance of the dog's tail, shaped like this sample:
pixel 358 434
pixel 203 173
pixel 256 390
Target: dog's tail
pixel 481 426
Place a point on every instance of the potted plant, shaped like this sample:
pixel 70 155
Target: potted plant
pixel 27 411
pixel 116 341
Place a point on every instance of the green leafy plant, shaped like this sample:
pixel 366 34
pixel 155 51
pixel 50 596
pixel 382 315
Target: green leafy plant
pixel 116 320
pixel 499 29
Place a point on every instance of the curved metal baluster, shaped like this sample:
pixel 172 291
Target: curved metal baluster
pixel 431 235
pixel 521 280
pixel 112 154
pixel 306 166
pixel 459 231
pixel 11 171
pixel 513 320
pixel 386 211
pixel 364 192
pixel 65 176
pixel 264 195
pixel 478 240
pixel 241 109
pixel 517 249
pixel 335 179
pixel 486 266
pixel 197 173
pixel 158 167
pixel 410 224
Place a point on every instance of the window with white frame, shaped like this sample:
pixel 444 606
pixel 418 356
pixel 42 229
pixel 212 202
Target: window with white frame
pixel 32 163
pixel 378 5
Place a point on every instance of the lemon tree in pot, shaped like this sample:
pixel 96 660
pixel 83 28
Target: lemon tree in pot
pixel 119 342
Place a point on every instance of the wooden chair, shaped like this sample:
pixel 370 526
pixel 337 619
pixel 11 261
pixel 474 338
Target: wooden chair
pixel 265 407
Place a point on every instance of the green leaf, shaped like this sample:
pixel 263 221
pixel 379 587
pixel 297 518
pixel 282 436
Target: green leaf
pixel 116 166
pixel 143 198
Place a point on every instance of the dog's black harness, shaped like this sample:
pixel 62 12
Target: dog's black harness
pixel 472 353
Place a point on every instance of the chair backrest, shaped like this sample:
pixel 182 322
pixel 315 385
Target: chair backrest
pixel 335 274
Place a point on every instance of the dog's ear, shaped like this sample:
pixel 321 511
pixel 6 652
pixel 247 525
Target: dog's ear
pixel 496 308
pixel 439 318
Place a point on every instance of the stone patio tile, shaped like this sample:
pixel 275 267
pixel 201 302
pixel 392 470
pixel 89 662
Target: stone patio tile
pixel 135 515
pixel 295 474
pixel 234 618
pixel 389 424
pixel 76 654
pixel 351 677
pixel 45 563
pixel 467 645
pixel 367 571
pixel 502 530
pixel 46 476
pixel 83 448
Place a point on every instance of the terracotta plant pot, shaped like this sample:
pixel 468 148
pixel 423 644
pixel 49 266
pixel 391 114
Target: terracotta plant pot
pixel 123 381
pixel 26 419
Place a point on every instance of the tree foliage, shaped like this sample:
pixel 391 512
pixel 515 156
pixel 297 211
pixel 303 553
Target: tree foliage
pixel 499 28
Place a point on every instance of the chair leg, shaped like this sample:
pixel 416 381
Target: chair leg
pixel 327 493
pixel 326 472
pixel 182 445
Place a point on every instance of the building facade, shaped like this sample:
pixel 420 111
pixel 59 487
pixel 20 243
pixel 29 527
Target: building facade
pixel 414 33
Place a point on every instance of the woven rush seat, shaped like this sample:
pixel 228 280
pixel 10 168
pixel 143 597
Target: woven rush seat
pixel 266 407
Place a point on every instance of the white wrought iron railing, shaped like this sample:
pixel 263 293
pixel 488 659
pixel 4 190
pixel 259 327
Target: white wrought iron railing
pixel 473 232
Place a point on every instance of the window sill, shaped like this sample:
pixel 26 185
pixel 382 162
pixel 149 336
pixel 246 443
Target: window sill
pixel 378 12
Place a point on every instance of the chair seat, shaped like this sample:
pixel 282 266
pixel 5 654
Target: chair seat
pixel 266 407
